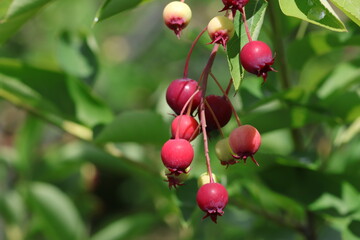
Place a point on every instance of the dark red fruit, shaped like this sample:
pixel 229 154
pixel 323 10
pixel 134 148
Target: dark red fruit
pixel 244 142
pixel 221 108
pixel 188 127
pixel 177 155
pixel 256 57
pixel 234 5
pixel 179 92
pixel 212 199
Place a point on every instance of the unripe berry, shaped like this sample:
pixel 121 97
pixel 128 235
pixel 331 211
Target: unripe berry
pixel 221 108
pixel 220 30
pixel 234 5
pixel 177 16
pixel 205 179
pixel 177 155
pixel 244 142
pixel 188 127
pixel 176 180
pixel 256 57
pixel 179 91
pixel 224 152
pixel 212 199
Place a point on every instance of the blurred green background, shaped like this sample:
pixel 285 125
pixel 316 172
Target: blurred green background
pixel 83 117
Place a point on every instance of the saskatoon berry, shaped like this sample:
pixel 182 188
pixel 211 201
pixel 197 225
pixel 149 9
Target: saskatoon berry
pixel 176 180
pixel 177 155
pixel 177 16
pixel 188 127
pixel 234 5
pixel 224 152
pixel 256 57
pixel 205 179
pixel 220 30
pixel 179 91
pixel 244 142
pixel 221 108
pixel 212 199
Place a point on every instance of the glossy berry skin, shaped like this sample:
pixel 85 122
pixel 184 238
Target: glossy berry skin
pixel 179 91
pixel 212 199
pixel 177 16
pixel 224 153
pixel 256 57
pixel 177 155
pixel 245 141
pixel 188 127
pixel 221 108
pixel 234 5
pixel 220 30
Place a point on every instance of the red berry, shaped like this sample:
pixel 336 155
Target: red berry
pixel 179 91
pixel 256 57
pixel 212 199
pixel 220 30
pixel 234 5
pixel 188 127
pixel 177 16
pixel 244 142
pixel 177 155
pixel 221 108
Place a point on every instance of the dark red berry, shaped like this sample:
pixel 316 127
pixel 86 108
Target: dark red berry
pixel 177 155
pixel 188 127
pixel 256 57
pixel 212 199
pixel 244 142
pixel 234 5
pixel 177 16
pixel 179 92
pixel 221 108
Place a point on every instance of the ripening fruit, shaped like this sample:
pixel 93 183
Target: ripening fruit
pixel 220 30
pixel 176 180
pixel 222 110
pixel 212 199
pixel 205 179
pixel 224 152
pixel 177 155
pixel 256 57
pixel 177 16
pixel 234 5
pixel 188 127
pixel 244 142
pixel 179 91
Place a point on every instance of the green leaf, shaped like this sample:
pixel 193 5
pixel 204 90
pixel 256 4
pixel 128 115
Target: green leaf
pixel 135 126
pixel 113 7
pixel 318 12
pixel 14 15
pixel 58 215
pixel 126 228
pixel 255 12
pixel 350 8
pixel 12 207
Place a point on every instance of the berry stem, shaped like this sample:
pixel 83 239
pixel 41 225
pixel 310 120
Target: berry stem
pixel 215 118
pixel 186 68
pixel 243 15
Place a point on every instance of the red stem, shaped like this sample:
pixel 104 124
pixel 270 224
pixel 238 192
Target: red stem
pixel 243 15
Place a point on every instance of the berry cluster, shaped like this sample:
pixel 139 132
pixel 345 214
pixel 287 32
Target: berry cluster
pixel 188 98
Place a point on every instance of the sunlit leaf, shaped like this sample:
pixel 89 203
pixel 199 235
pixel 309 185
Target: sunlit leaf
pixel 350 7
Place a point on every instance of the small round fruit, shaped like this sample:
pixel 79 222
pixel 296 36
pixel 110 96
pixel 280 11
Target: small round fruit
pixel 234 5
pixel 256 57
pixel 179 92
pixel 220 30
pixel 188 127
pixel 220 108
pixel 177 16
pixel 224 153
pixel 176 180
pixel 205 179
pixel 177 155
pixel 245 142
pixel 212 199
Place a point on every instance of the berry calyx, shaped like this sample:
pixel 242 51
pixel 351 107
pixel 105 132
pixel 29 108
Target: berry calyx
pixel 245 142
pixel 220 30
pixel 234 5
pixel 212 199
pixel 177 16
pixel 176 180
pixel 177 155
pixel 224 152
pixel 179 92
pixel 188 127
pixel 219 107
pixel 256 57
